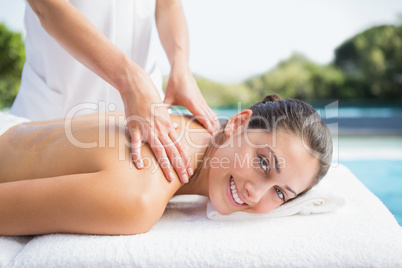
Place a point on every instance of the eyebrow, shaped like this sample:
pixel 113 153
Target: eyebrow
pixel 275 158
pixel 279 170
pixel 290 190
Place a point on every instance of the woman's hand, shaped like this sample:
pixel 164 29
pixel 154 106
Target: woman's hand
pixel 182 89
pixel 148 120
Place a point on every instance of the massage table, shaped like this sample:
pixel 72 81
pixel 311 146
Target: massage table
pixel 362 233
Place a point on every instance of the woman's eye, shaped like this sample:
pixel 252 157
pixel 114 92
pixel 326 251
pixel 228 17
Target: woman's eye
pixel 264 164
pixel 280 194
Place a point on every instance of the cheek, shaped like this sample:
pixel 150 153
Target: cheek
pixel 212 175
pixel 217 197
pixel 216 189
pixel 267 204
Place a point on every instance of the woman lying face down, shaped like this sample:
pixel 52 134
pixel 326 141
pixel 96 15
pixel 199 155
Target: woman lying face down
pixel 76 175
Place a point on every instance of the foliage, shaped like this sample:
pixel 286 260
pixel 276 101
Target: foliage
pixel 368 65
pixel 12 58
pixel 298 77
pixel 223 96
pixel 219 95
pixel 372 63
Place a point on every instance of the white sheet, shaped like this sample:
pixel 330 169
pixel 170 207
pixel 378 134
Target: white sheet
pixel 362 233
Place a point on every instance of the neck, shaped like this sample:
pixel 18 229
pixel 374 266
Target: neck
pixel 198 183
pixel 201 147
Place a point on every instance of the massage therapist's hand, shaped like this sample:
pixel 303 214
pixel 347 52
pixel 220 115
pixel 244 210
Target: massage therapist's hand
pixel 83 40
pixel 182 90
pixel 148 120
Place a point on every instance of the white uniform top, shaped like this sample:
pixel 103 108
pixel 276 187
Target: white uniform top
pixel 54 83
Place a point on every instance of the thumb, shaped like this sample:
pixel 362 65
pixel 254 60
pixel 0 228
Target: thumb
pixel 136 140
pixel 168 101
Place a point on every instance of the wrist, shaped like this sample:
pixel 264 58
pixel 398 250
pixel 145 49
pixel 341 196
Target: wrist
pixel 180 69
pixel 128 77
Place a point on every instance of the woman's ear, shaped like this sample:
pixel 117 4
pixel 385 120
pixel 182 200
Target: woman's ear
pixel 237 122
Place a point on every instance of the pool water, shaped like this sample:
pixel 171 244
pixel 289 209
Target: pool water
pixel 377 163
pixel 383 178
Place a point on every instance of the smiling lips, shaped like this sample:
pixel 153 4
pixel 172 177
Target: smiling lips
pixel 233 191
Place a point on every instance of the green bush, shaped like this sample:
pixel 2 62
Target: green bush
pixel 225 96
pixel 372 63
pixel 368 65
pixel 12 58
pixel 298 77
pixel 219 95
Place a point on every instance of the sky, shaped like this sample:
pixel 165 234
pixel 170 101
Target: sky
pixel 232 40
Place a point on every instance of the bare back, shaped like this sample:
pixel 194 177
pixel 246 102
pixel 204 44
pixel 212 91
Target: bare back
pixel 91 163
pixel 43 149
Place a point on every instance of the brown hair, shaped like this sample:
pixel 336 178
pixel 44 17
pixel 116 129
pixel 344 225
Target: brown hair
pixel 298 117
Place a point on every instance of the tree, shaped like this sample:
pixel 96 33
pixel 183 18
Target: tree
pixel 225 96
pixel 372 62
pixel 298 77
pixel 12 58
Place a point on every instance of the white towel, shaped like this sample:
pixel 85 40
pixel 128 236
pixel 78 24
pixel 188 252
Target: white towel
pixel 7 121
pixel 317 200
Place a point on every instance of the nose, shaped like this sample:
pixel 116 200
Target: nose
pixel 257 188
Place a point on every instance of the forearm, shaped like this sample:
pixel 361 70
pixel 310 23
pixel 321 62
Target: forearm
pixel 173 32
pixel 77 35
pixel 89 203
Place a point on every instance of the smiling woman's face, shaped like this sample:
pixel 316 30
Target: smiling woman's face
pixel 257 171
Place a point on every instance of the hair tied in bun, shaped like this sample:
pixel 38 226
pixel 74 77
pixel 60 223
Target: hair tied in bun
pixel 271 98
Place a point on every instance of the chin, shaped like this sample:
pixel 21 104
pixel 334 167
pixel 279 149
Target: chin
pixel 223 212
pixel 220 207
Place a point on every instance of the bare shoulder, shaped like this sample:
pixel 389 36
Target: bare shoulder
pixel 186 122
pixel 147 186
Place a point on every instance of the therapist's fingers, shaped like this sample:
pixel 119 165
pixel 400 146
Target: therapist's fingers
pixel 206 117
pixel 168 148
pixel 162 132
pixel 176 159
pixel 175 150
pixel 160 155
pixel 213 119
pixel 181 151
pixel 157 129
pixel 136 142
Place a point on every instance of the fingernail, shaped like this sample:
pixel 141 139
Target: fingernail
pixel 190 171
pixel 171 176
pixel 175 125
pixel 140 165
pixel 185 178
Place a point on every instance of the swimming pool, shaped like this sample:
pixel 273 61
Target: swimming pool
pixel 377 163
pixel 383 178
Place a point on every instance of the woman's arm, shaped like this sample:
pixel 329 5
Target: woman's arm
pixel 181 89
pixel 77 35
pixel 92 203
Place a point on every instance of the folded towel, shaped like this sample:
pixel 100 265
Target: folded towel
pixel 317 200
